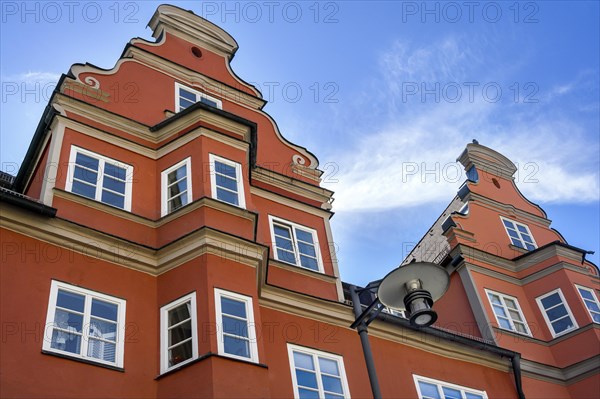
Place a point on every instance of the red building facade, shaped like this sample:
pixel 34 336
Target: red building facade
pixel 163 239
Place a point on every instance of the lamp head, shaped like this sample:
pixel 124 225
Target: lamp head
pixel 414 288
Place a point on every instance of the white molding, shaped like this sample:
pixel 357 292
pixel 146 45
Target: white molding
pixel 439 383
pixel 316 354
pixel 252 338
pixel 164 336
pixel 212 158
pixel 89 295
pixel 293 226
pixel 545 315
pixel 164 200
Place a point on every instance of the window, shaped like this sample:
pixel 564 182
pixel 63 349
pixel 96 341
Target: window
pixel 591 302
pixel 428 388
pixel 186 97
pixel 226 181
pixel 295 244
pixel 176 187
pixel 99 178
pixel 556 312
pixel 85 324
pixel 519 234
pixel 235 326
pixel 317 374
pixel 508 312
pixel 178 333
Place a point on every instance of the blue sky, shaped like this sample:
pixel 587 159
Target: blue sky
pixel 385 93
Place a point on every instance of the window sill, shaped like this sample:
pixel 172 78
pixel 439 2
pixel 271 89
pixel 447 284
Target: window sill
pixel 86 361
pixel 302 270
pixel 204 357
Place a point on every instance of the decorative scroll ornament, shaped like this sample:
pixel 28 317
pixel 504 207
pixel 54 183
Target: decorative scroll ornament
pixel 298 160
pixel 93 82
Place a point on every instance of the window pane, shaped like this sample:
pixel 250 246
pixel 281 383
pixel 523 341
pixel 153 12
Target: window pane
pixel 83 189
pixel 180 353
pixel 177 174
pixel 233 307
pixel 429 390
pixel 530 246
pixel 309 263
pixel 88 162
pixel 235 326
pixel 473 396
pixel 522 229
pixel 236 346
pixel 329 366
pixel 187 95
pixel 180 333
pixel 114 171
pixel 103 329
pixel 206 101
pixel 179 314
pixel 551 300
pixel 102 350
pixel 332 384
pixel 593 306
pixel 72 322
pixel 586 294
pixel 450 393
pixel 521 327
pixel 113 199
pixel 286 256
pixel 226 182
pixel 306 378
pixel 562 324
pixel 304 361
pixel 495 299
pixel 304 236
pixel 282 231
pixel 513 233
pixel 596 317
pixel 499 310
pixel 177 203
pixel 227 196
pixel 66 341
pixel 183 103
pixel 556 312
pixel 504 323
pixel 85 175
pixel 225 169
pixel 510 303
pixel 177 188
pixel 308 394
pixel 70 300
pixel 517 243
pixel 514 315
pixel 104 309
pixel 508 224
pixel 307 249
pixel 284 243
pixel 113 184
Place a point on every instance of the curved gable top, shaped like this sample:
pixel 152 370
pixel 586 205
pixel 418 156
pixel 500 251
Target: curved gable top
pixel 488 160
pixel 192 28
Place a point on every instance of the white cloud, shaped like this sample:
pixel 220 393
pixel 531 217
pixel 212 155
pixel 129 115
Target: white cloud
pixel 32 77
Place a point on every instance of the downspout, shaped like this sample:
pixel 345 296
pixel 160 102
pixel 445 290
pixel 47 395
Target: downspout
pixel 516 364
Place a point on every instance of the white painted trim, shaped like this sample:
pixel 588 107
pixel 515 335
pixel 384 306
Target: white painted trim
pixel 89 295
pixel 250 319
pixel 313 232
pixel 505 307
pixel 52 164
pixel 164 206
pixel 164 336
pixel 102 160
pixel 545 315
pixel 581 287
pixel 502 218
pixel 238 176
pixel 198 94
pixel 439 384
pixel 316 354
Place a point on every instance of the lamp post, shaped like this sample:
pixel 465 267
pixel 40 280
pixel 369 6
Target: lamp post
pixel 412 288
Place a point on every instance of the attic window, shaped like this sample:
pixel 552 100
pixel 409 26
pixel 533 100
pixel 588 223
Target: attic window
pixel 185 97
pixel 519 234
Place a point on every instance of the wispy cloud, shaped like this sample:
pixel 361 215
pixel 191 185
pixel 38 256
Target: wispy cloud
pixel 409 159
pixel 32 77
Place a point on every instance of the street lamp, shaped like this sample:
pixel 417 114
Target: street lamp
pixel 411 288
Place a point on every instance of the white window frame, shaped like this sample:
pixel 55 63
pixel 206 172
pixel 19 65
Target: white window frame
pixel 85 335
pixel 315 355
pixel 252 344
pixel 199 96
pixel 212 158
pixel 165 184
pixel 102 160
pixel 585 301
pixel 164 335
pixel 503 298
pixel 440 384
pixel 565 304
pixel 523 242
pixel 276 220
